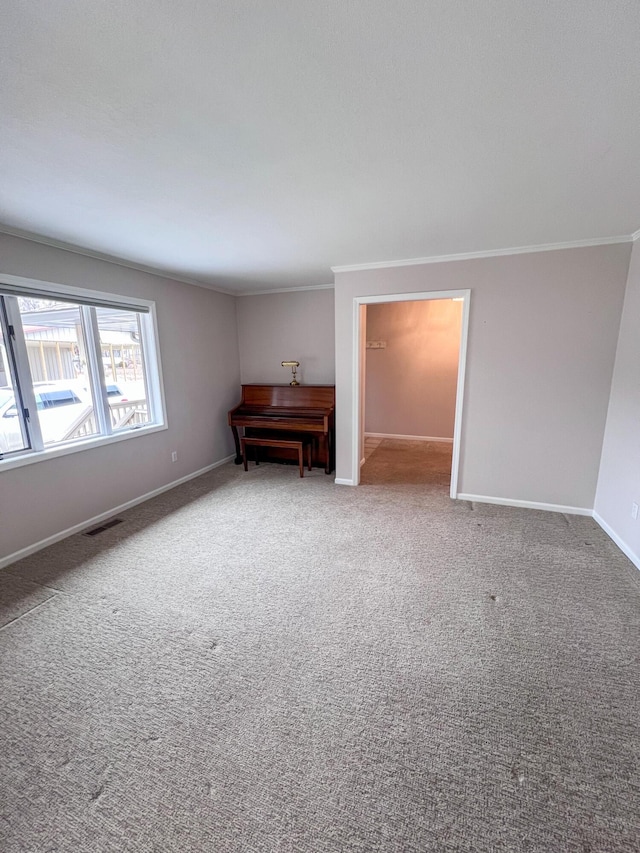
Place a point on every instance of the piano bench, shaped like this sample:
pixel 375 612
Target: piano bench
pixel 300 446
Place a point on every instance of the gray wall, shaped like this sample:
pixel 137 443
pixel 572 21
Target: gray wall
pixel 411 383
pixel 542 341
pixel 199 352
pixel 619 480
pixel 294 326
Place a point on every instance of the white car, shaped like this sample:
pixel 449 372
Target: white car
pixel 10 435
pixel 60 404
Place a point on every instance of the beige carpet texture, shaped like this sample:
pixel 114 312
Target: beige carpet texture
pixel 258 663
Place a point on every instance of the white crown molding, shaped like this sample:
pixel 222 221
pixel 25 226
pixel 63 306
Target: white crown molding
pixel 432 259
pixel 110 259
pixel 489 253
pixel 286 289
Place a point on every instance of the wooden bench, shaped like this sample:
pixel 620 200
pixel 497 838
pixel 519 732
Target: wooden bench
pixel 294 444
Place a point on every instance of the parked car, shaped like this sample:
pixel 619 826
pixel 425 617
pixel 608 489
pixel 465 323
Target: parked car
pixel 10 434
pixel 60 404
pixel 115 393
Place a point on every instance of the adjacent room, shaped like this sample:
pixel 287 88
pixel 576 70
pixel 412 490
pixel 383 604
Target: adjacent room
pixel 319 458
pixel 410 383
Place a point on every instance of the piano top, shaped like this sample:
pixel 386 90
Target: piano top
pixel 293 398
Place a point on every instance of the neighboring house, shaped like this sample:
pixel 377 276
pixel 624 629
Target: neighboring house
pixel 55 348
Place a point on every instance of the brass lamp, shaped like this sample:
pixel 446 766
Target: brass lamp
pixel 292 365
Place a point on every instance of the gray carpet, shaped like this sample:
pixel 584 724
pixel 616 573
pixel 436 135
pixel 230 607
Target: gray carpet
pixel 255 662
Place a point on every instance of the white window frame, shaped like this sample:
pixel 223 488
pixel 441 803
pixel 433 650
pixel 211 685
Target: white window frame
pixel 151 358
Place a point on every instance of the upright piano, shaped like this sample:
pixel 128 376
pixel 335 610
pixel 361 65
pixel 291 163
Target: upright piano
pixel 287 409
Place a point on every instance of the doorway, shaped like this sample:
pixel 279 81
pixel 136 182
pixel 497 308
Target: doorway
pixel 409 365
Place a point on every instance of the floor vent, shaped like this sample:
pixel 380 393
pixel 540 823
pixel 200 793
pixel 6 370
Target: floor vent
pixel 101 528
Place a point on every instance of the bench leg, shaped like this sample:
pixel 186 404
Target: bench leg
pixel 244 456
pixel 309 446
pixel 300 459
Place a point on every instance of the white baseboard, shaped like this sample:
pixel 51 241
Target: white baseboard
pixel 408 437
pixel 626 550
pixel 486 499
pixel 340 481
pixel 90 522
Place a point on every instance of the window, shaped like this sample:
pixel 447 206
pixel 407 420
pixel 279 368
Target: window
pixel 74 370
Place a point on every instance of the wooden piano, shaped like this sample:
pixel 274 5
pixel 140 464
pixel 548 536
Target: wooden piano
pixel 288 409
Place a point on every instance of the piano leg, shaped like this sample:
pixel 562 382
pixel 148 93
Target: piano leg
pixel 236 438
pixel 327 448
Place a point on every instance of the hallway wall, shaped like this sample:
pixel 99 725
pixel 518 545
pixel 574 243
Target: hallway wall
pixel 411 383
pixel 543 329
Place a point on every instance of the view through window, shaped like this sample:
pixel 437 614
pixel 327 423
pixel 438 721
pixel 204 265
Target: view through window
pixel 13 435
pixel 72 371
pixel 57 354
pixel 123 364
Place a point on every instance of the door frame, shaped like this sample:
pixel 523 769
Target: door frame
pixel 358 360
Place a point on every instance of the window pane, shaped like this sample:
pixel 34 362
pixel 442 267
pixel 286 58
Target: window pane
pixel 58 362
pixel 123 363
pixel 13 435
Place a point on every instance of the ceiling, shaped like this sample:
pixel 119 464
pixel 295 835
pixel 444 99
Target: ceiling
pixel 253 144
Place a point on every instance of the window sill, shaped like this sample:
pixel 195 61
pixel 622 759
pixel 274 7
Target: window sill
pixel 32 457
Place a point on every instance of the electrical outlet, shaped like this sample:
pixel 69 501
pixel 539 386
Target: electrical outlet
pixel 634 511
pixel 174 456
